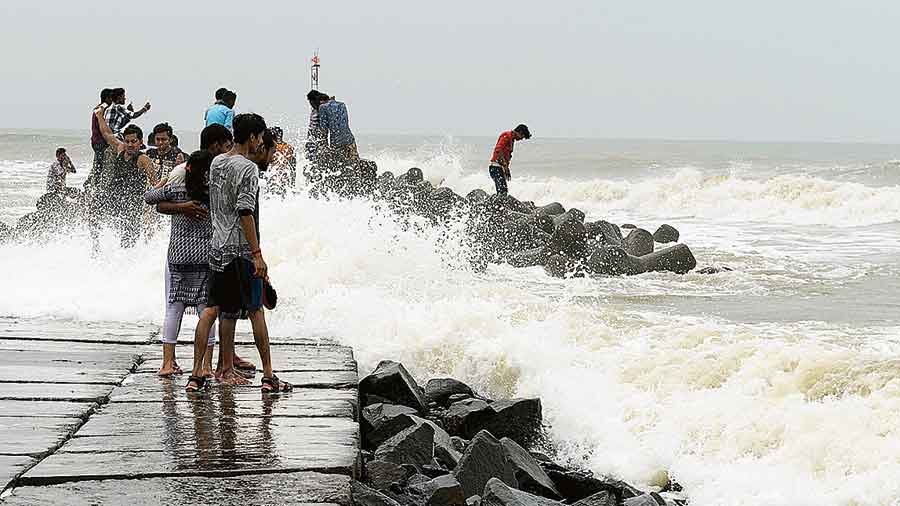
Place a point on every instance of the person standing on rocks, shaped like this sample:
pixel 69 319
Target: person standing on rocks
pixel 118 116
pixel 98 143
pixel 236 259
pixel 222 111
pixel 503 150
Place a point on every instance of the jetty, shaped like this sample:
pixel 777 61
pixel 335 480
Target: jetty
pixel 85 420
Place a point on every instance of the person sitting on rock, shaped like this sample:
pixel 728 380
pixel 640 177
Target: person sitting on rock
pixel 499 168
pixel 221 112
pixel 56 176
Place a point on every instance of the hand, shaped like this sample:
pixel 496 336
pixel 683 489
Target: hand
pixel 194 210
pixel 130 107
pixel 261 270
pixel 147 106
pixel 100 110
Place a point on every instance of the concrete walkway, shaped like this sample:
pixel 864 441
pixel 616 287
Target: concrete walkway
pixel 86 421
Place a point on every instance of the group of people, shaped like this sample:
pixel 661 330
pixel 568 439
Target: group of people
pixel 215 263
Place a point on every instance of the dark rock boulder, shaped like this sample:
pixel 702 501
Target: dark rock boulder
pixel 364 496
pixel 558 266
pixel 602 498
pixel 413 445
pixel 528 258
pixel 498 493
pixel 478 196
pixel 517 419
pixel 551 209
pixel 613 261
pixel 381 421
pixel 714 269
pixel 575 485
pixel 665 234
pixel 568 239
pixel 638 242
pixel 629 225
pixel 443 200
pixel 459 444
pixel 463 418
pixel 439 390
pixel 604 233
pixel 507 202
pixel 651 499
pixel 440 491
pixel 529 475
pixel 390 380
pixel 381 473
pixel 413 175
pixel 678 259
pixel 485 459
pixel 571 214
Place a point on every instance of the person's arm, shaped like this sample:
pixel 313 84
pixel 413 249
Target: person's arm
pixel 324 124
pixel 70 167
pixel 192 209
pixel 229 119
pixel 248 225
pixel 107 132
pixel 144 163
pixel 140 112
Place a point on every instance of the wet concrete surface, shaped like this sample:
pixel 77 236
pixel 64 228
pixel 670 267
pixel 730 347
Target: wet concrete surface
pixel 287 488
pixel 145 441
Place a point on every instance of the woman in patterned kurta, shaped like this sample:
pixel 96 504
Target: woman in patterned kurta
pixel 187 270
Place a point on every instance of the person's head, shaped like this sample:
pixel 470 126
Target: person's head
pixel 229 98
pixel 220 93
pixel 196 176
pixel 134 139
pixel 521 132
pixel 118 95
pixel 277 133
pixel 60 154
pixel 106 96
pixel 162 137
pixel 263 155
pixel 216 139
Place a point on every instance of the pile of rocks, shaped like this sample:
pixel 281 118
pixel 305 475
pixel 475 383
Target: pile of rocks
pixel 446 446
pixel 521 234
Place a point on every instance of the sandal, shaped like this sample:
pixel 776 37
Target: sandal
pixel 275 385
pixel 199 384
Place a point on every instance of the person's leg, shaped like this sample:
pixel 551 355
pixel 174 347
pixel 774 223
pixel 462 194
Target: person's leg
pixel 499 180
pixel 261 338
pixel 201 338
pixel 211 344
pixel 171 327
pixel 227 374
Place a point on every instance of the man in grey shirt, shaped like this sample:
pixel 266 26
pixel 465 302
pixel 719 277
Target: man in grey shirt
pixel 235 258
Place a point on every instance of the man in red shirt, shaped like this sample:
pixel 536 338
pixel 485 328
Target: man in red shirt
pixel 499 168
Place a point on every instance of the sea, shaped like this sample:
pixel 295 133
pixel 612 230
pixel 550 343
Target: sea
pixel 777 382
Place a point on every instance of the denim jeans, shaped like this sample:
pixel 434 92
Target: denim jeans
pixel 496 172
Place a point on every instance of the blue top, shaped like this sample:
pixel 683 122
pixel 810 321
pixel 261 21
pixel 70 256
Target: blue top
pixel 334 121
pixel 219 113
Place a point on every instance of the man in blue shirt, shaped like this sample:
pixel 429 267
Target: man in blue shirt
pixel 335 124
pixel 222 112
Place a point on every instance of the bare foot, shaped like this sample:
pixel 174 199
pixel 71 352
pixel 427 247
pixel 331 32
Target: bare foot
pixel 241 363
pixel 168 370
pixel 229 377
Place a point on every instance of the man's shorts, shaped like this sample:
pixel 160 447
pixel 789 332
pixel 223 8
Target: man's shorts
pixel 235 291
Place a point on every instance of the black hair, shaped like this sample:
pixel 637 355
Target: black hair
pixel 116 93
pixel 220 93
pixel 196 176
pixel 213 134
pixel 105 95
pixel 248 124
pixel 162 128
pixel 277 133
pixel 150 139
pixel 133 130
pixel 523 130
pixel 316 98
pixel 174 141
pixel 60 151
pixel 268 139
pixel 229 96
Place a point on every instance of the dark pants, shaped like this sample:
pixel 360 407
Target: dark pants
pixel 497 175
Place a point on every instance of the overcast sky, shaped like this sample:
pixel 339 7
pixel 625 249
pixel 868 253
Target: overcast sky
pixel 762 70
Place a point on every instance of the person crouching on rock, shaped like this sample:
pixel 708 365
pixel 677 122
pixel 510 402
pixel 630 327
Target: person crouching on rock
pixel 499 168
pixel 56 176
